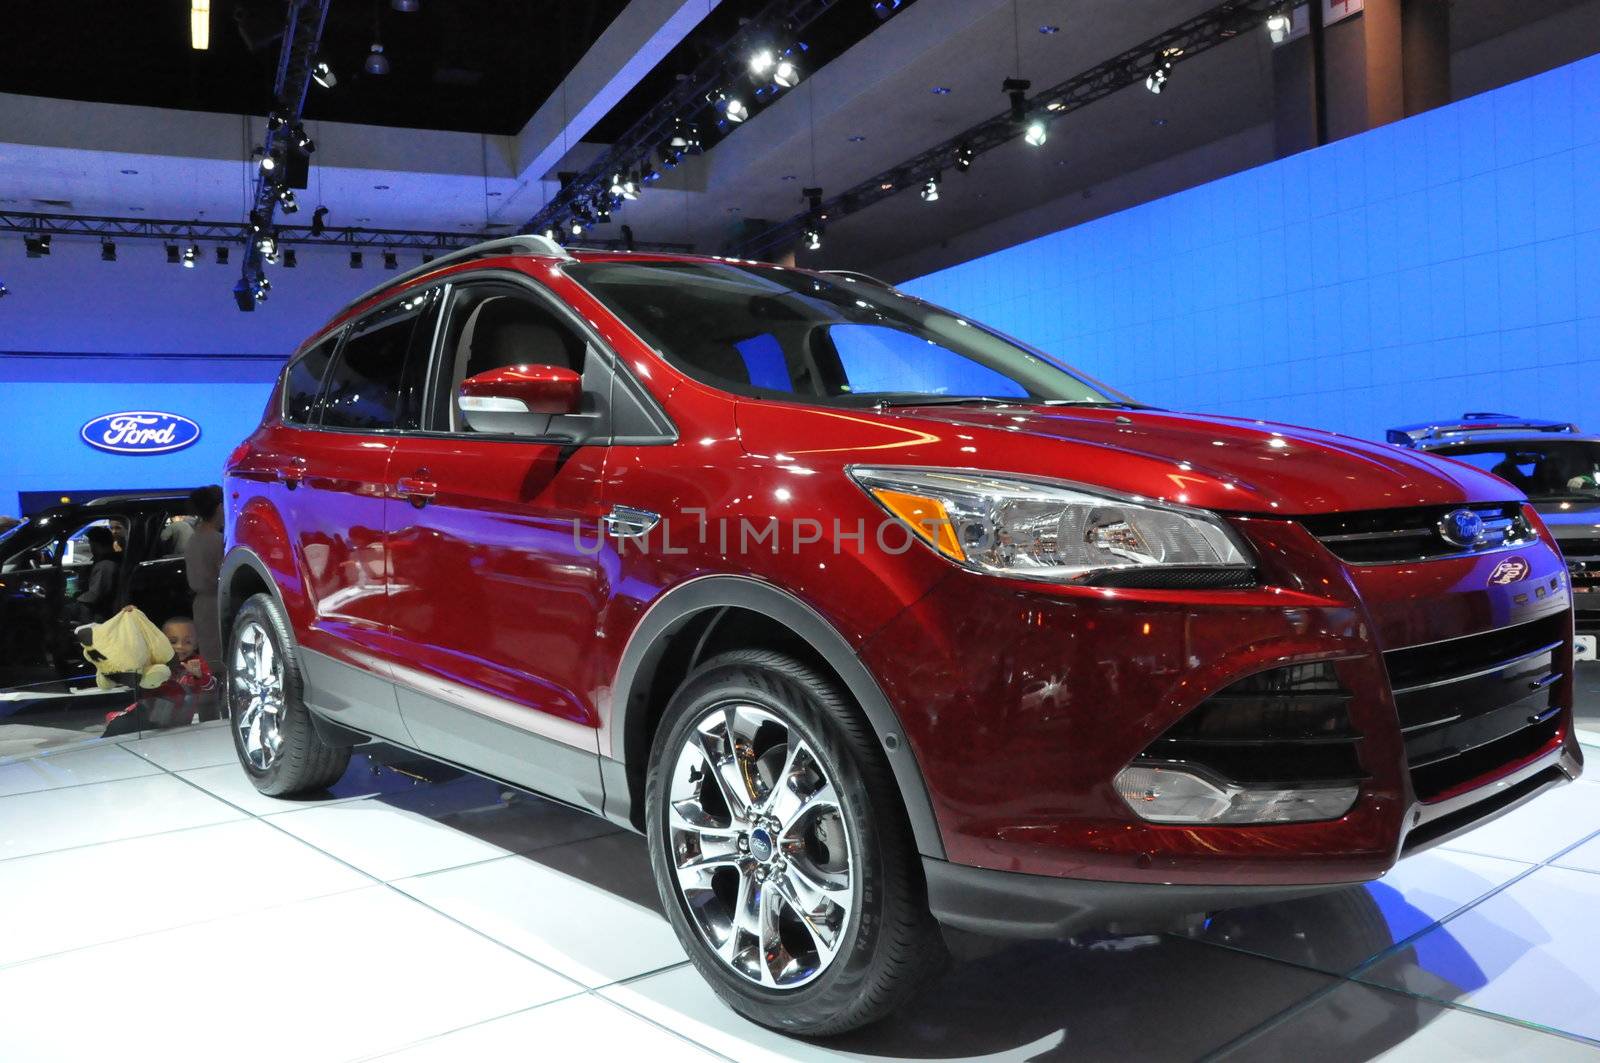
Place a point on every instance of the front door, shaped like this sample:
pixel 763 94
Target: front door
pixel 492 593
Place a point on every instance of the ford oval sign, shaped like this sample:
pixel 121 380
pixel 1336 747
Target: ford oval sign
pixel 140 432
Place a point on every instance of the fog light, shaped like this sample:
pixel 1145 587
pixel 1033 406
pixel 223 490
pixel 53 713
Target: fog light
pixel 1177 795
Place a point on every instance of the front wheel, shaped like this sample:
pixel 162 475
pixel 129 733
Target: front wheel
pixel 781 850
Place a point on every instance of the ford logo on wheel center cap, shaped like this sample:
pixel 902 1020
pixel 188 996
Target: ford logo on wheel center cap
pixel 1461 527
pixel 140 432
pixel 760 845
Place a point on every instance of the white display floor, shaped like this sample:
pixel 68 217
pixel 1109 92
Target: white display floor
pixel 154 906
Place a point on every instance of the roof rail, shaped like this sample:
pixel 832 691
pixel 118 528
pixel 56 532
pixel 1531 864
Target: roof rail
pixel 529 244
pixel 857 275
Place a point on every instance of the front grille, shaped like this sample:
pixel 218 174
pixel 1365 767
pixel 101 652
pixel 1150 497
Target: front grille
pixel 1469 705
pixel 1283 726
pixel 1386 536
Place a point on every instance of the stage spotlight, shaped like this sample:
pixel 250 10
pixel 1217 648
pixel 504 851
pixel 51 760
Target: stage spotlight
pixel 200 24
pixel 964 156
pixel 222 254
pixel 647 173
pixel 244 295
pixel 1279 24
pixel 4 291
pixel 268 163
pixel 174 255
pixel 732 109
pixel 1157 78
pixel 625 185
pixel 1037 133
pixel 318 226
pixel 575 227
pixel 930 190
pixel 390 261
pixel 108 251
pixel 377 63
pixel 761 63
pixel 786 75
pixel 355 260
pixel 301 140
pixel 1017 90
pixel 884 8
pixel 267 244
pixel 813 238
pixel 602 213
pixel 323 74
pixel 191 255
pixel 287 201
pixel 276 121
pixel 37 246
pixel 549 232
pixel 289 261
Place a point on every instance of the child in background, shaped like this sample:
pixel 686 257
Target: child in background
pixel 189 670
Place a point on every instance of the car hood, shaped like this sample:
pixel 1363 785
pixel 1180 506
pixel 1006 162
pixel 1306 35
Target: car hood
pixel 1222 463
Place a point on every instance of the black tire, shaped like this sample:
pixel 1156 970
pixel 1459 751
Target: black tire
pixel 303 763
pixel 891 945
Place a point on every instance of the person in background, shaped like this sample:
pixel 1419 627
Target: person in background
pixel 202 559
pixel 100 586
pixel 175 535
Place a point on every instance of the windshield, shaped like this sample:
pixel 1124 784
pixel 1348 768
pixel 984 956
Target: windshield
pixel 782 334
pixel 1565 470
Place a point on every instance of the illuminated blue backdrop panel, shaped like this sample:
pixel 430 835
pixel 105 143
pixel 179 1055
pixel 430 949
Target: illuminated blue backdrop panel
pixel 46 400
pixel 1445 263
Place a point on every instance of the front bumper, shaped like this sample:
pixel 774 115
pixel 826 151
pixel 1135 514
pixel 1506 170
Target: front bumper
pixel 1022 702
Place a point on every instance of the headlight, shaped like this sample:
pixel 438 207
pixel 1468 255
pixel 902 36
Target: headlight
pixel 1035 529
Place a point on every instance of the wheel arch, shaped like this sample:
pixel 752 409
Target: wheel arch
pixel 699 618
pixel 243 574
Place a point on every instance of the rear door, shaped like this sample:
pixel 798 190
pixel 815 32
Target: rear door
pixel 334 479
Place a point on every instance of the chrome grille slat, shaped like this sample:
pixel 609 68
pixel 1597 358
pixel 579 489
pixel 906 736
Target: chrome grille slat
pixel 1404 536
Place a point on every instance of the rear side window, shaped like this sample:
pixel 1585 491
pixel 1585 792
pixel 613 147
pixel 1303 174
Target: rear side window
pixel 376 384
pixel 304 382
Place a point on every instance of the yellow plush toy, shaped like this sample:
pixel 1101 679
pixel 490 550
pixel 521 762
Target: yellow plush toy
pixel 127 643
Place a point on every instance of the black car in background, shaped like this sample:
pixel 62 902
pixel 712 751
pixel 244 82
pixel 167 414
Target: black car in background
pixel 1556 466
pixel 44 563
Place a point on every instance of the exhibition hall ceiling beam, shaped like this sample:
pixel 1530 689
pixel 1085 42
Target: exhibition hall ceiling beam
pixel 1150 62
pixel 195 229
pixel 631 46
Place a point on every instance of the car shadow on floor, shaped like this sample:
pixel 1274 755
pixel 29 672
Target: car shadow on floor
pixel 1175 995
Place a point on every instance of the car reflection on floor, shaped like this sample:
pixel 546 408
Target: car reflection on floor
pixel 470 919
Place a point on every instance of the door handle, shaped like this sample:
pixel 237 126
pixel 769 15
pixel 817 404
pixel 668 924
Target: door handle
pixel 625 522
pixel 418 490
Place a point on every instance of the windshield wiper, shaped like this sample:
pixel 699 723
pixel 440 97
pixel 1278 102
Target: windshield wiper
pixel 1110 404
pixel 944 400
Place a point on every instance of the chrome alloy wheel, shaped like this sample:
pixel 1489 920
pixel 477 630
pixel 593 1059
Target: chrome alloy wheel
pixel 256 676
pixel 760 846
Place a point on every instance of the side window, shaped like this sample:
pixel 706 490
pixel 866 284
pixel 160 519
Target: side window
pixel 492 326
pixel 376 382
pixel 82 545
pixel 304 382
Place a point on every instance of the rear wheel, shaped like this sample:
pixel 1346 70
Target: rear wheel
pixel 781 851
pixel 272 729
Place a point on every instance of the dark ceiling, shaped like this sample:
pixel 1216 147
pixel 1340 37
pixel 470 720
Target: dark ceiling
pixel 473 65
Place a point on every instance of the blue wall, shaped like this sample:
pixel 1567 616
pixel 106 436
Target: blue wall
pixel 45 400
pixel 1445 263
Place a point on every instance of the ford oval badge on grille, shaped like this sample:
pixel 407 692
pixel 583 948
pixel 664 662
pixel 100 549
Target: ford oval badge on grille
pixel 1461 527
pixel 140 432
pixel 1510 570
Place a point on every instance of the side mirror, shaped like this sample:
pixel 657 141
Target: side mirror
pixel 520 399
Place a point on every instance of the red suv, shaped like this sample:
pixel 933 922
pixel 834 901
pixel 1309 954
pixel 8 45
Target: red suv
pixel 869 617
